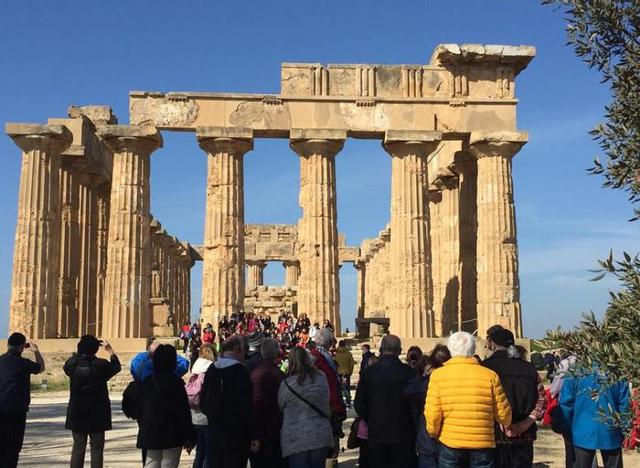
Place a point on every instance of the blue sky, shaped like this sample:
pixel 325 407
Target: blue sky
pixel 54 54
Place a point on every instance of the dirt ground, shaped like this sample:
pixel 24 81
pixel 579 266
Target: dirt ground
pixel 48 443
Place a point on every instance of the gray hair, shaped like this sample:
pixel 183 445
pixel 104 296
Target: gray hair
pixel 462 344
pixel 270 349
pixel 324 337
pixel 391 344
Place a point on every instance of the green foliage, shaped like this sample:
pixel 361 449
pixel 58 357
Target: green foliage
pixel 606 35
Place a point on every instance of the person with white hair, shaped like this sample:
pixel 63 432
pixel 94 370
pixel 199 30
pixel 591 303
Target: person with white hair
pixel 464 400
pixel 328 366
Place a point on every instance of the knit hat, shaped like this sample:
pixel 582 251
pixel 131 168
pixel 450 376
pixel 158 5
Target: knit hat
pixel 88 344
pixel 16 339
pixel 503 337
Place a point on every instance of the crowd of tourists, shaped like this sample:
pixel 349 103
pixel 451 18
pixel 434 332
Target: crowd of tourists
pixel 252 397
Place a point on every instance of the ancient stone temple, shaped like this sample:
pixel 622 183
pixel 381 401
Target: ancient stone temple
pixel 90 258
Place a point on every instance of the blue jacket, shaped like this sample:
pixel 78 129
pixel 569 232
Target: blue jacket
pixel 580 413
pixel 142 366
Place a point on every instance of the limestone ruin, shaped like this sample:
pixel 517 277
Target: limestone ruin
pixel 89 258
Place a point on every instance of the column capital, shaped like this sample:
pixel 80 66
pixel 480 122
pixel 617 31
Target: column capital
pixel 400 143
pixel 324 141
pixel 260 263
pixel 496 144
pixel 50 138
pixel 236 140
pixel 290 263
pixel 138 138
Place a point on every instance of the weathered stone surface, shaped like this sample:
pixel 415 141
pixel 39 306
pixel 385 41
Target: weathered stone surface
pixel 410 263
pixel 127 282
pixel 223 271
pixel 318 284
pixel 497 256
pixel 33 307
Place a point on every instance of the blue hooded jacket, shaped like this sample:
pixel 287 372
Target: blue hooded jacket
pixel 582 402
pixel 141 366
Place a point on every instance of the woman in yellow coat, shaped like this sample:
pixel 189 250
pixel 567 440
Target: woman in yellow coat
pixel 464 400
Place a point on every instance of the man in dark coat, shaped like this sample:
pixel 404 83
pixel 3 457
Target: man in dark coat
pixel 231 423
pixel 366 354
pixel 15 395
pixel 265 381
pixel 89 410
pixel 380 402
pixel 524 389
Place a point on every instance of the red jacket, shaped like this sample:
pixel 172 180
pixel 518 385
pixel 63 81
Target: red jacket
pixel 335 395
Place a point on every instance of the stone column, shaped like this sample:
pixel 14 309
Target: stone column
pixel 127 283
pixel 497 265
pixel 103 201
pixel 255 273
pixel 318 285
pixel 437 291
pixel 70 254
pixel 291 273
pixel 412 314
pixel 223 250
pixel 466 168
pixel 449 256
pixel 32 310
pixel 89 251
pixel 361 270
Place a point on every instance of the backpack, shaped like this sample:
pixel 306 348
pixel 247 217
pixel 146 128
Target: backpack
pixel 211 393
pixel 194 390
pixel 131 401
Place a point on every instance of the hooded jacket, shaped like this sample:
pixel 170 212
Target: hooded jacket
pixel 583 401
pixel 199 367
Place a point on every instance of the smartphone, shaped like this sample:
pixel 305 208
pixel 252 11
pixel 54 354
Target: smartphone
pixel 27 345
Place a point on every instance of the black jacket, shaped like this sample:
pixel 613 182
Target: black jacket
pixel 379 401
pixel 365 360
pixel 520 382
pixel 416 392
pixel 89 407
pixel 235 428
pixel 165 417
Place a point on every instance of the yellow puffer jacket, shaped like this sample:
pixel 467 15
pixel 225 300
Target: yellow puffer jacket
pixel 463 401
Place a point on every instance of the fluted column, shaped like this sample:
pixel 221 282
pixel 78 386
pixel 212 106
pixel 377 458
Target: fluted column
pixel 412 314
pixel 70 254
pixel 497 265
pixel 435 244
pixel 223 268
pixel 450 251
pixel 361 270
pixel 103 201
pixel 291 273
pixel 127 282
pixel 466 168
pixel 319 283
pixel 32 310
pixel 88 275
pixel 255 273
